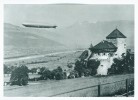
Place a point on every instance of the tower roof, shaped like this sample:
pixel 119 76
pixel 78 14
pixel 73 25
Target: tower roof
pixel 115 34
pixel 104 46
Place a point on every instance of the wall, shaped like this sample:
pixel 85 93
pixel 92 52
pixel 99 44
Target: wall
pixel 121 44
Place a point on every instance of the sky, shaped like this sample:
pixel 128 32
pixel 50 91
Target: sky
pixel 65 15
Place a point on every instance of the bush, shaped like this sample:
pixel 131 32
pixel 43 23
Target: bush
pixel 19 76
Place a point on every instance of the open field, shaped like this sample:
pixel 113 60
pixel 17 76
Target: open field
pixel 49 61
pixel 54 87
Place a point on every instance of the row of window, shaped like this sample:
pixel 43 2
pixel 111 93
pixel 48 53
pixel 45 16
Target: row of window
pixel 103 54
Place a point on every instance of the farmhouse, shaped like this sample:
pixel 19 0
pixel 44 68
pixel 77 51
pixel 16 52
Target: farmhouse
pixel 113 47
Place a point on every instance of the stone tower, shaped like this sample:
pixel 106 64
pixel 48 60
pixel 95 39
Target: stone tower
pixel 119 40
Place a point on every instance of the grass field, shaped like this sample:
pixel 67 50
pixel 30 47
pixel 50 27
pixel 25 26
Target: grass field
pixel 50 62
pixel 53 87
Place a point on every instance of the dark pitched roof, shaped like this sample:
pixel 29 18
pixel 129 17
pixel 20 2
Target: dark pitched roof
pixel 115 34
pixel 104 46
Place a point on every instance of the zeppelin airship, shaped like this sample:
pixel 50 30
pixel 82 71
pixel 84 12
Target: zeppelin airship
pixel 39 26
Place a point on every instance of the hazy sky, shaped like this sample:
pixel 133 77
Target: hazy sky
pixel 65 15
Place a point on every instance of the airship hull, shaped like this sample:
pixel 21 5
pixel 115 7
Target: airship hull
pixel 38 26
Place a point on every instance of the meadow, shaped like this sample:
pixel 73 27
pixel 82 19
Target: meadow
pixel 68 88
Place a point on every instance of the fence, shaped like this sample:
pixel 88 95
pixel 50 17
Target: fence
pixel 129 88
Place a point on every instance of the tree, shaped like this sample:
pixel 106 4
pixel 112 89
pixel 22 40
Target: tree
pixel 58 73
pixel 46 74
pixel 79 67
pixel 92 65
pixel 116 67
pixel 19 76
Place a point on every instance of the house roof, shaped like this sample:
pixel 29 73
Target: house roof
pixel 115 34
pixel 104 46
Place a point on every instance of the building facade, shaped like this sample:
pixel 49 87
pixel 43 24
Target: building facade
pixel 113 47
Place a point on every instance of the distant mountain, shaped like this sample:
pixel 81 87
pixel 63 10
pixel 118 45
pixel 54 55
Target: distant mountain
pixel 81 34
pixel 76 36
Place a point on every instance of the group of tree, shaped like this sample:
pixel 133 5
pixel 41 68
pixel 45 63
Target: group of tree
pixel 86 68
pixel 120 66
pixel 125 65
pixel 57 73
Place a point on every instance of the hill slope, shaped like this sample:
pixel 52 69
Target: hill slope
pixel 20 41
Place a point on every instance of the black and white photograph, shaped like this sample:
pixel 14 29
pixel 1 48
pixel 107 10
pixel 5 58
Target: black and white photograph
pixel 68 50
